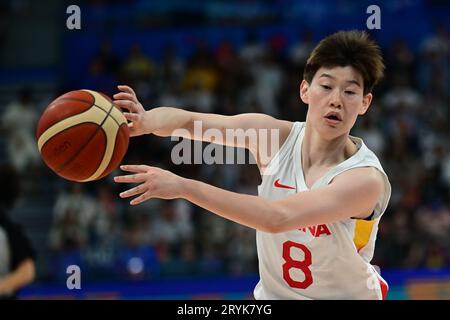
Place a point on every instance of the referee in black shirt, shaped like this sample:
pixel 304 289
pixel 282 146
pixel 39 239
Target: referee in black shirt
pixel 17 257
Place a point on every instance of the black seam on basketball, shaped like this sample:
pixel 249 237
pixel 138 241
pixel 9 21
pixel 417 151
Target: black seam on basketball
pixel 115 120
pixel 73 116
pixel 99 126
pixel 109 114
pixel 79 100
pixel 101 132
pixel 92 105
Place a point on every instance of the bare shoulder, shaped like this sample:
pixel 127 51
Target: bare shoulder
pixel 360 185
pixel 367 177
pixel 363 182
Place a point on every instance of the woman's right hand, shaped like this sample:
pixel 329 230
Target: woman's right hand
pixel 126 99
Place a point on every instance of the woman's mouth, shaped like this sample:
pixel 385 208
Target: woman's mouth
pixel 333 118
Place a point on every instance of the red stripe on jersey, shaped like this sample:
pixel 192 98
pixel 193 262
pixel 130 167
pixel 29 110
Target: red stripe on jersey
pixel 384 287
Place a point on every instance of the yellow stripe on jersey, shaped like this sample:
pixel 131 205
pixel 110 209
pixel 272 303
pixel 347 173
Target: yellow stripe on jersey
pixel 363 230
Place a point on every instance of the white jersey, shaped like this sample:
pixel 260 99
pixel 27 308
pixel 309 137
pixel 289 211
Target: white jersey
pixel 328 261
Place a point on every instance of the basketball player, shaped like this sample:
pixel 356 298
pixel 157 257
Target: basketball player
pixel 318 210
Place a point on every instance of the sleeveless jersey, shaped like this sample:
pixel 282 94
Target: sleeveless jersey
pixel 328 261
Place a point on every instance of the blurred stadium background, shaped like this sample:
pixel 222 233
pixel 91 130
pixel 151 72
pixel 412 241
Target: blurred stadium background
pixel 226 57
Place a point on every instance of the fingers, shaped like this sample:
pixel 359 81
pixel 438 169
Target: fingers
pixel 143 197
pixel 137 168
pixel 139 177
pixel 131 178
pixel 125 96
pixel 132 131
pixel 126 89
pixel 131 116
pixel 127 104
pixel 133 191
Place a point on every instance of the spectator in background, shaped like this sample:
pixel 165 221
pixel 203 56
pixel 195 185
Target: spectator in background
pixel 401 60
pixel 372 136
pixel 138 67
pixel 233 77
pixel 268 79
pixel 434 73
pixel 253 50
pixel 99 79
pixel 74 218
pixel 17 256
pixel 201 80
pixel 300 50
pixel 172 67
pixel 107 59
pixel 402 94
pixel 19 122
pixel 171 226
pixel 107 220
pixel 103 70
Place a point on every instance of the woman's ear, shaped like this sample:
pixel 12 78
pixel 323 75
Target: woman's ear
pixel 304 86
pixel 367 99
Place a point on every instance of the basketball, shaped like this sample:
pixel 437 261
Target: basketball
pixel 82 136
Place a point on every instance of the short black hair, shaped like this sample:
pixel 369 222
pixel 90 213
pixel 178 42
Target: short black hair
pixel 348 48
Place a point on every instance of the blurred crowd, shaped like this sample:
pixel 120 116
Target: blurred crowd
pixel 407 127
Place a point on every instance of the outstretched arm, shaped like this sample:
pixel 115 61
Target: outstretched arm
pixel 352 194
pixel 167 121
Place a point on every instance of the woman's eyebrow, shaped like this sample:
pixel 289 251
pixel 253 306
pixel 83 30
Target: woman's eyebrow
pixel 327 75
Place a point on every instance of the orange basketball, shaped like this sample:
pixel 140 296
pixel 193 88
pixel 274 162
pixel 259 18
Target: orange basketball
pixel 82 136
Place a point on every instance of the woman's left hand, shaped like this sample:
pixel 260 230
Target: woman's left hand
pixel 153 183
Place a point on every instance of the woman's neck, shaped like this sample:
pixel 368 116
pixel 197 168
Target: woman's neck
pixel 318 151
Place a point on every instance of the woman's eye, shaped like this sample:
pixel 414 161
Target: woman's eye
pixel 326 87
pixel 349 92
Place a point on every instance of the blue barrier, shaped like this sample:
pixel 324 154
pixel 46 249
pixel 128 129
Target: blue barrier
pixel 181 288
pixel 404 285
